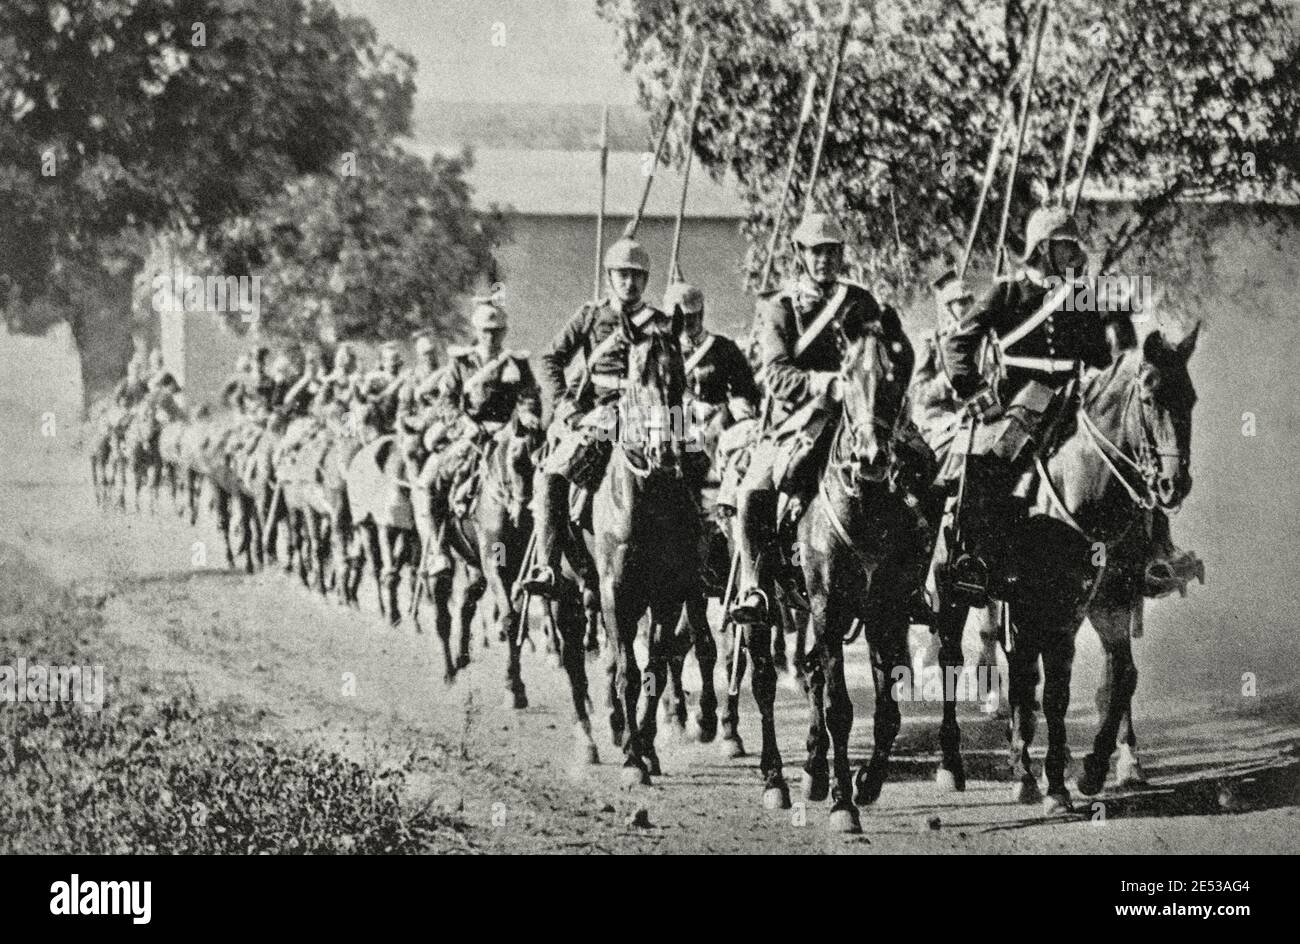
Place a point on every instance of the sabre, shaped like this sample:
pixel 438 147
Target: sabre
pixel 1025 102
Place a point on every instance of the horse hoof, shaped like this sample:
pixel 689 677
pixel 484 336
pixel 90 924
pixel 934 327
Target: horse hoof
pixel 462 662
pixel 1093 779
pixel 704 728
pixel 652 765
pixel 868 783
pixel 449 678
pixel 1056 803
pixel 844 820
pixel 1128 771
pixel 516 700
pixel 950 781
pixel 776 798
pixel 1025 791
pixel 815 787
pixel 732 747
pixel 634 776
pixel 588 755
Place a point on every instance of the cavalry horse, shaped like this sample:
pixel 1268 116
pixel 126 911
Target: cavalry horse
pixel 490 539
pixel 645 538
pixel 865 542
pixel 1126 452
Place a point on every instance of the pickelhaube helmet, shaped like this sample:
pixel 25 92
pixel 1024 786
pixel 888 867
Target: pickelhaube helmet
pixel 627 254
pixel 487 314
pixel 685 296
pixel 1048 222
pixel 818 229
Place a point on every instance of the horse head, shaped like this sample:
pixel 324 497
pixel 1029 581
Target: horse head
pixel 872 392
pixel 1145 412
pixel 651 419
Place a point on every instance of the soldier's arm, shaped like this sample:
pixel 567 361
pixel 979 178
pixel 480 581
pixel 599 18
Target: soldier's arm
pixel 901 352
pixel 782 379
pixel 563 349
pixel 961 348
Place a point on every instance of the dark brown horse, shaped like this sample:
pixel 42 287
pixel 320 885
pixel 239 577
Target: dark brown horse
pixel 864 544
pixel 646 537
pixel 1128 452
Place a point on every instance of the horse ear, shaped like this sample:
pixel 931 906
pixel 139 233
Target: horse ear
pixel 1187 345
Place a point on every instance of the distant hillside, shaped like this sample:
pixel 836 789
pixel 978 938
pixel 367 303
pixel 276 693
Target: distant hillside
pixel 528 126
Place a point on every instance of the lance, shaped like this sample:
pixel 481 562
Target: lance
pixel 674 273
pixel 1068 149
pixel 671 110
pixel 1090 142
pixel 600 213
pixel 1025 101
pixel 805 111
pixel 990 170
pixel 846 26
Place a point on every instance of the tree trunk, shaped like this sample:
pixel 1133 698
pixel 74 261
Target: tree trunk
pixel 102 330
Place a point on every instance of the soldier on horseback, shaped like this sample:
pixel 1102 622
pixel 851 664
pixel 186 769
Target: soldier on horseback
pixel 132 388
pixel 489 391
pixel 583 412
pixel 720 382
pixel 799 330
pixel 1042 350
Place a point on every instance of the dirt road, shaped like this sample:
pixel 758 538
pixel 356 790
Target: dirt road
pixel 509 774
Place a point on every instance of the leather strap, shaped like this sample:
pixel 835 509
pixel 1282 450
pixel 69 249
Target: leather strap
pixel 824 317
pixel 698 354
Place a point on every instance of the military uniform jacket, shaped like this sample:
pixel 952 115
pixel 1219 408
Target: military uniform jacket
pixel 380 392
pixel 583 333
pixel 782 322
pixel 1063 336
pixel 487 390
pixel 721 372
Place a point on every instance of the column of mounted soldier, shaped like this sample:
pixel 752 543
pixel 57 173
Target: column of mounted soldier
pixel 837 483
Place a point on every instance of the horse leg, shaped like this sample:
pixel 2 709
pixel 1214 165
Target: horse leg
pixel 988 620
pixel 839 722
pixel 440 589
pixel 591 619
pixel 471 594
pixel 194 484
pixel 1022 665
pixel 951 621
pixel 1058 661
pixel 368 534
pixel 1114 699
pixel 776 794
pixel 568 616
pixel 622 613
pixel 663 620
pixel 888 652
pixel 389 551
pixel 672 702
pixel 816 784
pixel 731 744
pixel 705 722
pixel 222 500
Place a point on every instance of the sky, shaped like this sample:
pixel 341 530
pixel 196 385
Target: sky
pixel 554 51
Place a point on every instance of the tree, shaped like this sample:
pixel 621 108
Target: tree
pixel 379 254
pixel 125 117
pixel 1204 103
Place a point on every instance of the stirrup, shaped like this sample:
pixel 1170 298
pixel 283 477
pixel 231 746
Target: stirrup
pixel 750 608
pixel 1175 571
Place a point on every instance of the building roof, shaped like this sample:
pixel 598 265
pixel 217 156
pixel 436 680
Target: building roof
pixel 567 183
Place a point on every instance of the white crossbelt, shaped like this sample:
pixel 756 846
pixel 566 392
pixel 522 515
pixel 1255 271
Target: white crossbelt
pixel 1049 365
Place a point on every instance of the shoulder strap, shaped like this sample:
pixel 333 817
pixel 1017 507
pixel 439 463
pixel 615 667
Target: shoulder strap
pixel 697 355
pixel 824 317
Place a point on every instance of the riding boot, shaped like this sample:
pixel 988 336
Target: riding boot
pixel 551 521
pixel 756 533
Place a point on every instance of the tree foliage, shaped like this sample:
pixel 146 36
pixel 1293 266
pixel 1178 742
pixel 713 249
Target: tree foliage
pixel 1204 103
